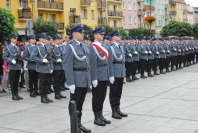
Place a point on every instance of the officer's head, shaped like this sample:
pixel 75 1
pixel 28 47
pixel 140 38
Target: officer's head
pixel 128 39
pixel 49 40
pixel 87 39
pixel 116 36
pixel 13 38
pixel 57 38
pixel 42 37
pixel 78 32
pixel 32 39
pixel 99 34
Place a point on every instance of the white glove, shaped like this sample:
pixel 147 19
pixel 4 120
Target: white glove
pixel 95 83
pixel 51 71
pixel 13 62
pixel 72 89
pixel 45 60
pixel 59 60
pixel 130 55
pixel 146 52
pixel 111 79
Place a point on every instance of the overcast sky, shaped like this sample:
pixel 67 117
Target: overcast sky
pixel 193 3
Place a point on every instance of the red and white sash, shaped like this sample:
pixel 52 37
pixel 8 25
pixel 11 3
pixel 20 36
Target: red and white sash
pixel 99 47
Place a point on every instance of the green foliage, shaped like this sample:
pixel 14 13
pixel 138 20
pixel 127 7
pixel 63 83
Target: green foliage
pixel 177 29
pixel 41 26
pixel 139 32
pixel 195 30
pixel 6 24
pixel 123 33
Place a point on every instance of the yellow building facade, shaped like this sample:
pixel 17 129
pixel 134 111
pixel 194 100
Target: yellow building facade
pixel 181 9
pixel 66 12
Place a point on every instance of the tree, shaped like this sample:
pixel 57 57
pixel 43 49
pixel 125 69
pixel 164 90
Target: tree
pixel 177 29
pixel 195 30
pixel 139 32
pixel 123 33
pixel 41 26
pixel 6 24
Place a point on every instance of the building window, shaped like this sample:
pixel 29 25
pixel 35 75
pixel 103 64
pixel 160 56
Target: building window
pixel 130 22
pixel 92 14
pixel 8 4
pixel 134 6
pixel 115 23
pixel 40 16
pixel 114 8
pixel 23 3
pixel 53 18
pixel 130 6
pixel 134 20
pixel 84 14
pixel 123 5
pixel 124 20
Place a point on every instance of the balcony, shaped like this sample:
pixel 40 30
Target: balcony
pixel 115 1
pixel 74 20
pixel 50 6
pixel 60 26
pixel 140 1
pixel 24 13
pixel 140 13
pixel 85 3
pixel 173 2
pixel 102 21
pixel 173 13
pixel 102 4
pixel 118 14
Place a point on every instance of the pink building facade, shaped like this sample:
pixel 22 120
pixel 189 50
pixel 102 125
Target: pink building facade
pixel 133 14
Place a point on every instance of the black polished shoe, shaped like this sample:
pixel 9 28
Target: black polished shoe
pixel 120 112
pixel 43 99
pixel 156 73
pixel 60 95
pixel 47 98
pixel 19 97
pixel 98 121
pixel 36 93
pixel 128 80
pixel 162 72
pixel 104 119
pixel 150 75
pixel 134 78
pixel 57 96
pixel 115 113
pixel 84 129
pixel 32 94
pixel 143 77
pixel 15 98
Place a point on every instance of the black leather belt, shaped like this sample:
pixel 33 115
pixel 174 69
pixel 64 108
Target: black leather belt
pixel 81 69
pixel 117 63
pixel 102 65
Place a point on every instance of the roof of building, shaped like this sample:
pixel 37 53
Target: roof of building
pixel 181 1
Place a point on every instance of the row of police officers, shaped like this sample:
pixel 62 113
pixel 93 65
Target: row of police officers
pixel 104 62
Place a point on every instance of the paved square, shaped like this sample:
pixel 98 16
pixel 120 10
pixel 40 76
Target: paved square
pixel 164 104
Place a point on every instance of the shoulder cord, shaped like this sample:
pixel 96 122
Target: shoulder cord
pixel 75 54
pixel 40 53
pixel 98 55
pixel 11 52
pixel 113 51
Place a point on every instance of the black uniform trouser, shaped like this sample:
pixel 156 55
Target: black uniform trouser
pixel 116 92
pixel 128 66
pixel 134 67
pixel 142 66
pixel 44 79
pixel 79 98
pixel 167 62
pixel 99 94
pixel 197 57
pixel 33 81
pixel 162 63
pixel 180 60
pixel 173 61
pixel 14 80
pixel 57 77
pixel 149 65
pixel 155 64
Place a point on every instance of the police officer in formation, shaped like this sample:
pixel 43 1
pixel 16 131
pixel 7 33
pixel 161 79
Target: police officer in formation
pixel 99 60
pixel 77 70
pixel 12 55
pixel 31 66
